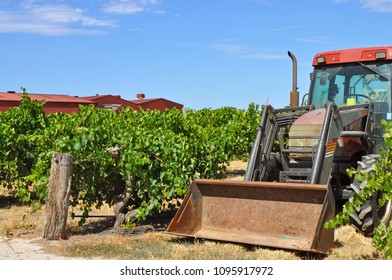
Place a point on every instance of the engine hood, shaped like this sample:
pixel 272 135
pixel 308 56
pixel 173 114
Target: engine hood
pixel 305 132
pixel 315 117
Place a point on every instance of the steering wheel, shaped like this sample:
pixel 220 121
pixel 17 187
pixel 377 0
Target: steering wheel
pixel 360 95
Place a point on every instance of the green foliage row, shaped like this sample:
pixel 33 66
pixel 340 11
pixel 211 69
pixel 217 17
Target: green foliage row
pixel 378 181
pixel 162 152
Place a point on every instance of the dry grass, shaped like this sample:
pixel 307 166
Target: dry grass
pixel 350 245
pixel 236 170
pixel 16 219
pixel 157 245
pixel 97 240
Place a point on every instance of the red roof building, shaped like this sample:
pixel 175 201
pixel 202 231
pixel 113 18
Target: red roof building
pixel 156 103
pixel 69 104
pixel 54 102
pixel 109 101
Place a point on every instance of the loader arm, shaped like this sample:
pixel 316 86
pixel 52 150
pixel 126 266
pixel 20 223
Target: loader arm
pixel 335 121
pixel 271 122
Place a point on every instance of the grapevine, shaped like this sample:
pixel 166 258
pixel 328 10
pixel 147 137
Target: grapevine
pixel 377 182
pixel 160 152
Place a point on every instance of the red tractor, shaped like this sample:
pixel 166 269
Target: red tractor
pixel 290 192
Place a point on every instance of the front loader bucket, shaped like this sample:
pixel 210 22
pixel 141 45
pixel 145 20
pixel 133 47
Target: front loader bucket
pixel 281 215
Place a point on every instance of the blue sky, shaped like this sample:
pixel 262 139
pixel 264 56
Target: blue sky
pixel 201 53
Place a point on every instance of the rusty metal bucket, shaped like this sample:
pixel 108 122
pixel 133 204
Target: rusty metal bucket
pixel 281 215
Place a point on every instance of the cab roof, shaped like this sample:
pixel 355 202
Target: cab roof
pixel 353 55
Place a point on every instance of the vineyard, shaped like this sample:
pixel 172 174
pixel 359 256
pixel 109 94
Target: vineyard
pixel 143 160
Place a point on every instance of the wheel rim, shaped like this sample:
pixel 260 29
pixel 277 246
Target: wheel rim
pixel 386 212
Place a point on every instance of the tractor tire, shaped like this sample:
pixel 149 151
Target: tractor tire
pixel 274 166
pixel 367 217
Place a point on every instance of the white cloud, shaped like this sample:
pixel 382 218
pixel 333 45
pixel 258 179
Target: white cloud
pixel 380 6
pixel 62 13
pixel 245 51
pixel 316 40
pixel 230 48
pixel 339 1
pixel 283 28
pixel 49 19
pixel 160 12
pixel 129 6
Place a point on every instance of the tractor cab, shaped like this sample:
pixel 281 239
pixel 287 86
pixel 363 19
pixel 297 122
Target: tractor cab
pixel 352 84
pixel 352 77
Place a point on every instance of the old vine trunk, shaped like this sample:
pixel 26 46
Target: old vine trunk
pixel 58 196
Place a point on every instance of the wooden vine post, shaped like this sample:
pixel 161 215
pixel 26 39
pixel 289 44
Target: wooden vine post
pixel 58 197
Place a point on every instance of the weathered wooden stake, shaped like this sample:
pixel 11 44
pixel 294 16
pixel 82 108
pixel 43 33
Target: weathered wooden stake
pixel 58 196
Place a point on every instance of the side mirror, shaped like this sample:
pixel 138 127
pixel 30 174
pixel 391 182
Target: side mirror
pixel 305 100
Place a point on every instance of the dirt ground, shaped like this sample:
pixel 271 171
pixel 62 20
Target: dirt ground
pixel 21 231
pixel 25 249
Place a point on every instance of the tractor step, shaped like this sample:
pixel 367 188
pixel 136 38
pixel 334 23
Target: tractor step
pixel 296 175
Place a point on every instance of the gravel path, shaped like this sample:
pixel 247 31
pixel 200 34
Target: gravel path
pixel 22 249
